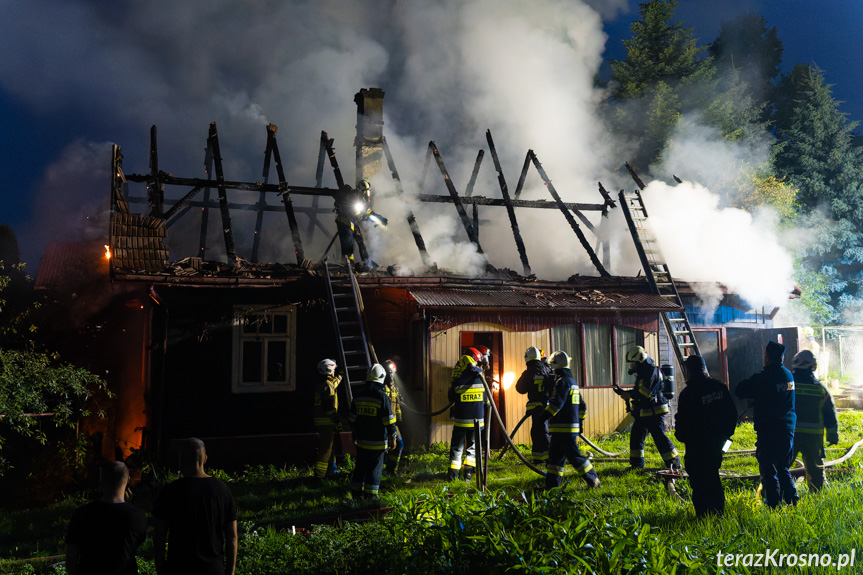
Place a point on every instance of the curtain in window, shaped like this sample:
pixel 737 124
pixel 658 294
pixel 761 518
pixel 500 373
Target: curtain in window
pixel 626 340
pixel 597 350
pixel 568 338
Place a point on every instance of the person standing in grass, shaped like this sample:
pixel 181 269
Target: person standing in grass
pixel 565 412
pixel 103 535
pixel 197 517
pixel 815 414
pixel 772 391
pixel 536 381
pixel 705 420
pixel 325 416
pixel 374 430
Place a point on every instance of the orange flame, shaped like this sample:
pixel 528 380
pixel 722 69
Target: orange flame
pixel 107 252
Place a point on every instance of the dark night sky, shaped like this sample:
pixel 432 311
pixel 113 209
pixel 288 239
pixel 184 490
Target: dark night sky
pixel 75 77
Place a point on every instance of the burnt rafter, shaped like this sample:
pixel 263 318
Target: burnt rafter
pixel 273 150
pixel 454 196
pixel 213 141
pixel 522 253
pixel 412 221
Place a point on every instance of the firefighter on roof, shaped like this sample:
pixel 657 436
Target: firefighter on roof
pixel 353 205
pixel 325 416
pixel 565 413
pixel 815 414
pixel 374 431
pixel 648 407
pixel 468 394
pixel 705 420
pixel 394 455
pixel 536 381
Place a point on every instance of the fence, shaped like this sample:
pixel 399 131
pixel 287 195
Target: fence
pixel 842 351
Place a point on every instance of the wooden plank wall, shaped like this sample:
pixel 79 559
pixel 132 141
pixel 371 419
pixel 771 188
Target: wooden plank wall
pixel 444 353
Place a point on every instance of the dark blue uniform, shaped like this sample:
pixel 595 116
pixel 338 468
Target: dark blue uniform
pixel 649 407
pixel 537 381
pixel 564 424
pixel 468 394
pixel 705 419
pixel 373 425
pixel 772 390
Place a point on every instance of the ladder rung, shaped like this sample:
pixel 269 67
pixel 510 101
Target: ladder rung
pixel 345 309
pixel 351 337
pixel 343 295
pixel 348 352
pixel 687 332
pixel 348 323
pixel 680 344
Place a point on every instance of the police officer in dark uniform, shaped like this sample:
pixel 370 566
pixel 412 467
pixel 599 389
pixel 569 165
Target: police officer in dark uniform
pixel 536 381
pixel 374 430
pixel 564 413
pixel 772 390
pixel 648 406
pixel 705 420
pixel 469 398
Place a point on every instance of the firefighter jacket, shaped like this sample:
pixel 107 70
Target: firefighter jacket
pixel 393 395
pixel 565 409
pixel 772 388
pixel 468 394
pixel 646 396
pixel 536 381
pixel 325 402
pixel 372 418
pixel 706 415
pixel 814 406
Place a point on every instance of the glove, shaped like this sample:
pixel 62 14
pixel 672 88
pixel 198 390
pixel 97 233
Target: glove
pixel 391 444
pixel 338 427
pixel 832 437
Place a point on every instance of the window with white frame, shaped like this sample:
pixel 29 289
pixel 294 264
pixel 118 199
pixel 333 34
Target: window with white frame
pixel 264 349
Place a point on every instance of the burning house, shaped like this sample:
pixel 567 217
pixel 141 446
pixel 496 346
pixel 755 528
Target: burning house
pixel 226 350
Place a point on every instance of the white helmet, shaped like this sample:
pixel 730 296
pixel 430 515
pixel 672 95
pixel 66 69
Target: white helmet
pixel 636 355
pixel 558 360
pixel 327 366
pixel 804 360
pixel 531 354
pixel 377 373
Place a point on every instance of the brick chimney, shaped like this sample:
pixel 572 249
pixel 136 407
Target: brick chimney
pixel 370 129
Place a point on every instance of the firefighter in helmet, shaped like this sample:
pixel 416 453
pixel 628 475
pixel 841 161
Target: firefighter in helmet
pixel 325 416
pixel 469 400
pixel 394 455
pixel 353 205
pixel 815 414
pixel 536 381
pixel 374 431
pixel 648 407
pixel 565 412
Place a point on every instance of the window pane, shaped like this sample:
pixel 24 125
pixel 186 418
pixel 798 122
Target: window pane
pixel 626 339
pixel 597 350
pixel 280 323
pixel 249 324
pixel 568 338
pixel 252 360
pixel 277 354
pixel 265 323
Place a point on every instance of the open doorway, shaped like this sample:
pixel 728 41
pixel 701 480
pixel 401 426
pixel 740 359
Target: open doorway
pixel 492 340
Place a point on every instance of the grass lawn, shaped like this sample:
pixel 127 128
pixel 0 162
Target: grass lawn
pixel 631 524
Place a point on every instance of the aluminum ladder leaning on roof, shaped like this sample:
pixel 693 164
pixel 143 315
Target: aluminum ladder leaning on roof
pixel 676 323
pixel 356 353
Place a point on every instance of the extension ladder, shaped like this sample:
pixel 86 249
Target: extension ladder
pixel 676 323
pixel 346 305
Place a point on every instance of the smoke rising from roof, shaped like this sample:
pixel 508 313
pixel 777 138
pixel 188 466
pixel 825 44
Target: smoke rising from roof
pixel 450 70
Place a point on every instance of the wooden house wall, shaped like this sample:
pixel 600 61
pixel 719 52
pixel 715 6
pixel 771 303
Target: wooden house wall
pixel 445 351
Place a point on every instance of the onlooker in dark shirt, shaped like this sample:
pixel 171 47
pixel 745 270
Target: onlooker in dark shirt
pixel 198 515
pixel 103 535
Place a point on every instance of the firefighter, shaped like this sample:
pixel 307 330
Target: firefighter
pixel 469 398
pixel 374 431
pixel 394 455
pixel 648 407
pixel 772 390
pixel 705 420
pixel 564 413
pixel 536 381
pixel 325 416
pixel 815 413
pixel 353 205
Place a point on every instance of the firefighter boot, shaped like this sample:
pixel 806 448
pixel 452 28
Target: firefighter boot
pixel 452 474
pixel 468 472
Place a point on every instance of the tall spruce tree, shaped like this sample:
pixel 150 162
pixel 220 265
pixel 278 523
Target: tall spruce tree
pixel 816 153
